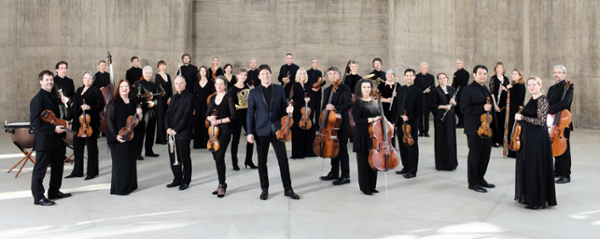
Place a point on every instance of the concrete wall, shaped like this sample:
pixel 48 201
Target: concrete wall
pixel 532 35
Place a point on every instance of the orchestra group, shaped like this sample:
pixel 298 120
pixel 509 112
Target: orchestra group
pixel 209 106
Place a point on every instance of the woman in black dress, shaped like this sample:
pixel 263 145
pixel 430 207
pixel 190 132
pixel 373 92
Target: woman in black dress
pixel 445 129
pixel 387 94
pixel 202 89
pixel 214 70
pixel 94 103
pixel 123 153
pixel 240 122
pixel 301 138
pixel 228 73
pixel 517 98
pixel 365 110
pixel 223 103
pixel 163 82
pixel 534 181
pixel 498 84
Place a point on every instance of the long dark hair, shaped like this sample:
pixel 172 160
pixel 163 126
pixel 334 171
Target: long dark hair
pixel 358 91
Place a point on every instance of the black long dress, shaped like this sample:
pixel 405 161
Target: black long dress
pixel 93 97
pixel 534 181
pixel 124 172
pixel 499 117
pixel 301 139
pixel 362 111
pixel 163 86
pixel 201 95
pixel 225 109
pixel 237 125
pixel 445 131
pixel 517 98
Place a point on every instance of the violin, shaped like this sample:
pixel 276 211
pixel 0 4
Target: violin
pixel 326 143
pixel 320 82
pixel 485 131
pixel 148 96
pixel 213 143
pixel 85 130
pixel 305 122
pixel 284 134
pixel 556 128
pixel 406 133
pixel 50 118
pixel 515 138
pixel 132 121
pixel 382 156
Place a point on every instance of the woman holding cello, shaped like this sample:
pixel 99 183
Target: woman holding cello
pixel 534 181
pixel 301 137
pixel 365 111
pixel 87 104
pixel 123 151
pixel 224 105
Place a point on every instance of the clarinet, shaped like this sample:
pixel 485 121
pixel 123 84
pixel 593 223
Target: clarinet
pixel 453 97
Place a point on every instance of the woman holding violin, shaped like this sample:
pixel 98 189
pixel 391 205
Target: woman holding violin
pixel 203 87
pixel 534 181
pixel 302 137
pixel 365 111
pixel 87 104
pixel 443 98
pixel 239 123
pixel 223 104
pixel 517 98
pixel 120 112
pixel 163 82
pixel 214 70
pixel 388 94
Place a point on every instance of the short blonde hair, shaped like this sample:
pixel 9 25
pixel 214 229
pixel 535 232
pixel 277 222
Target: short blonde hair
pixel 538 81
pixel 298 75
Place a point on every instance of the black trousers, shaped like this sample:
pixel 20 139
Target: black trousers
pixel 409 155
pixel 478 158
pixel 182 173
pixel 148 131
pixel 262 144
pixel 235 141
pixel 461 116
pixel 367 177
pixel 78 148
pixel 562 164
pixel 424 120
pixel 342 159
pixel 55 158
pixel 219 156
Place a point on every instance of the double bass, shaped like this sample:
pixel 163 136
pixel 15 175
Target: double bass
pixel 132 121
pixel 305 122
pixel 556 128
pixel 326 143
pixel 284 134
pixel 84 129
pixel 382 156
pixel 485 131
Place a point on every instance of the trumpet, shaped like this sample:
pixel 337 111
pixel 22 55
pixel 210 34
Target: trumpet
pixel 171 139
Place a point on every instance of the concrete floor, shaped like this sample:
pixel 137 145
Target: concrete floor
pixel 432 205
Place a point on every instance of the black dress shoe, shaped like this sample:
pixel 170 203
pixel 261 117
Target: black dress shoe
pixel 403 171
pixel 478 189
pixel 90 177
pixel 328 177
pixel 59 195
pixel 290 193
pixel 264 194
pixel 562 180
pixel 409 175
pixel 183 186
pixel 556 175
pixel 44 202
pixel 236 167
pixel 487 185
pixel 139 157
pixel 426 134
pixel 173 184
pixel 341 181
pixel 374 191
pixel 367 193
pixel 151 154
pixel 73 176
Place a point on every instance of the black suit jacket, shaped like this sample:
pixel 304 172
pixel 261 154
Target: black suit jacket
pixel 292 69
pixel 414 104
pixel 261 114
pixel 45 137
pixel 133 75
pixel 424 81
pixel 461 78
pixel 473 97
pixel 179 115
pixel 68 89
pixel 342 101
pixel 142 87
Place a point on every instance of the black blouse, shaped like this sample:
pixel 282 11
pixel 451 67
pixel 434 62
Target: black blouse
pixel 164 86
pixel 536 111
pixel 116 118
pixel 362 111
pixel 224 110
pixel 495 86
pixel 93 97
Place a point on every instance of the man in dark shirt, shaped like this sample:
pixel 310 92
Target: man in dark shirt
pixel 313 76
pixel 379 74
pixel 288 68
pixel 149 122
pixel 353 77
pixel 556 103
pixel 134 73
pixel 189 72
pixel 63 89
pixel 102 78
pixel 461 78
pixel 252 80
pixel 425 82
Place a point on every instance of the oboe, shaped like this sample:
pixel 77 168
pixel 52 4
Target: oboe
pixel 453 97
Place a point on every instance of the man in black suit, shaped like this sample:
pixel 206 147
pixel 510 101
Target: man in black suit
pixel 63 85
pixel 252 80
pixel 149 122
pixel 102 78
pixel 134 73
pixel 473 104
pixel 315 94
pixel 48 144
pixel 341 102
pixel 461 79
pixel 266 105
pixel 189 72
pixel 425 82
pixel 410 99
pixel 562 164
pixel 178 122
pixel 288 68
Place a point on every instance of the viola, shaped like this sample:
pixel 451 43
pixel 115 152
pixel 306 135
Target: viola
pixel 406 133
pixel 50 118
pixel 320 82
pixel 284 134
pixel 485 131
pixel 305 122
pixel 132 121
pixel 382 156
pixel 213 143
pixel 85 130
pixel 148 96
pixel 556 128
pixel 326 143
pixel 515 138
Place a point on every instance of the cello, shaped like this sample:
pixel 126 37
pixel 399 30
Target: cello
pixel 305 122
pixel 556 129
pixel 132 121
pixel 326 143
pixel 213 143
pixel 382 156
pixel 284 134
pixel 84 130
pixel 515 138
pixel 485 131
